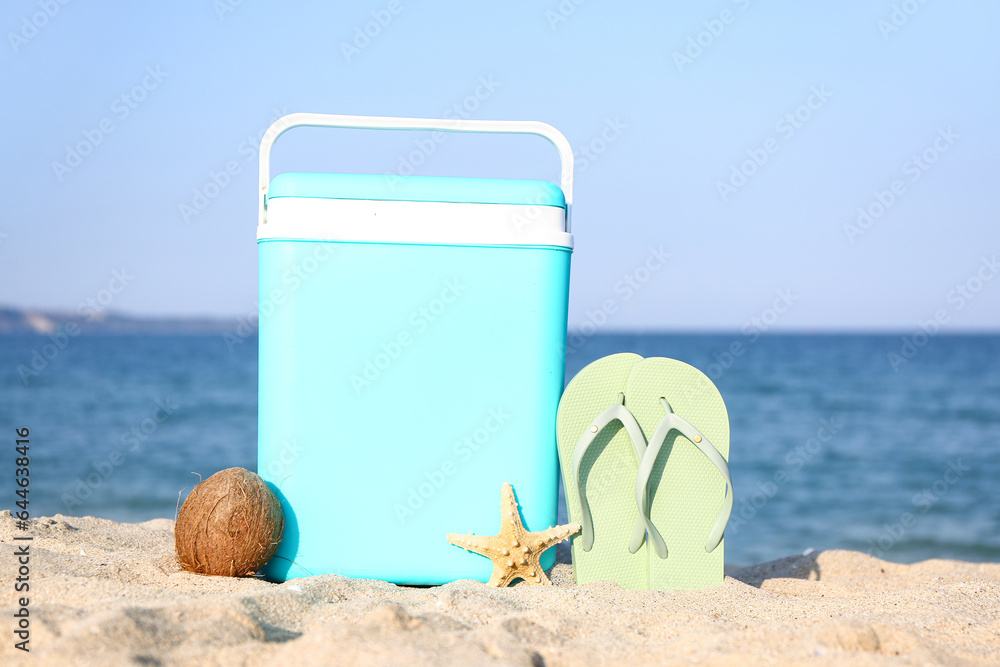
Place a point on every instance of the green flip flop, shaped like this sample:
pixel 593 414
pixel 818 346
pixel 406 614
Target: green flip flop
pixel 683 478
pixel 600 448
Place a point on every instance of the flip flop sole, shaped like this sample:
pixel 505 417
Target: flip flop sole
pixel 686 490
pixel 607 475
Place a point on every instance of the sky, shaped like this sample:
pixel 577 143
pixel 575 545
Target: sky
pixel 806 166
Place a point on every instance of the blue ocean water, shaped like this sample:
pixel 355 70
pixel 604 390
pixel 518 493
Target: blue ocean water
pixel 832 446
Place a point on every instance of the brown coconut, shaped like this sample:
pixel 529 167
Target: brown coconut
pixel 229 525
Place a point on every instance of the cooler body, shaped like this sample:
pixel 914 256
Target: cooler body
pixel 411 358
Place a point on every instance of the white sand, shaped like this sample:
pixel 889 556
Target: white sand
pixel 110 593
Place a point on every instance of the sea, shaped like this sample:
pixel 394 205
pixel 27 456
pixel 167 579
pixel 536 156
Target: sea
pixel 886 444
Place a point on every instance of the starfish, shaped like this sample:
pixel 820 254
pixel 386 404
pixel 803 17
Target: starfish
pixel 515 552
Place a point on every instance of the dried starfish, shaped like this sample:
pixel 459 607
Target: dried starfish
pixel 515 552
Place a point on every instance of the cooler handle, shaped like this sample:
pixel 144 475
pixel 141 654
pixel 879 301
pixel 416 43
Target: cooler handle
pixel 286 123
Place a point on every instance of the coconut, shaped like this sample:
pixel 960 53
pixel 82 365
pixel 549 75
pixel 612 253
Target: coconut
pixel 229 525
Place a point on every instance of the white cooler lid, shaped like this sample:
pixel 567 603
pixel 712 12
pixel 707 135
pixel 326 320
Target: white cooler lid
pixel 415 209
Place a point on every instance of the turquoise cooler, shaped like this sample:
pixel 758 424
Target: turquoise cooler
pixel 412 339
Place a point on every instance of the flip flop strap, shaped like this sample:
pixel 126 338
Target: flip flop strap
pixel 614 412
pixel 670 422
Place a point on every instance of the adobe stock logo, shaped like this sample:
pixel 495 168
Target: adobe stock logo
pixel 703 39
pixel 463 450
pixel 370 31
pixel 787 126
pixel 958 297
pixel 217 181
pixel 420 320
pixel 134 439
pixel 424 148
pixel 900 16
pixel 586 154
pixel 122 107
pixel 91 308
pixel 914 169
pixel 747 507
pixel 31 25
pixel 753 328
pixel 565 10
pixel 892 533
pixel 627 287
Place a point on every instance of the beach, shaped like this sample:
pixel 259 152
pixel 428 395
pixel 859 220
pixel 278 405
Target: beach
pixel 103 592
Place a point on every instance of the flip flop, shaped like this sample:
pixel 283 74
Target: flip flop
pixel 683 478
pixel 600 447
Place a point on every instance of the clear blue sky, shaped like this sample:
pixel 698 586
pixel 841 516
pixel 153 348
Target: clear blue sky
pixel 884 96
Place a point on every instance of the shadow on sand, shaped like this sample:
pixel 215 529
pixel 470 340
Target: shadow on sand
pixel 792 567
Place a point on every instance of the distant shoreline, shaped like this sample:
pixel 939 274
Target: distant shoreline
pixel 42 322
pixel 16 321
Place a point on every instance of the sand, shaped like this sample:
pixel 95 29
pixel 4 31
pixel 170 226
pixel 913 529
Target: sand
pixel 111 593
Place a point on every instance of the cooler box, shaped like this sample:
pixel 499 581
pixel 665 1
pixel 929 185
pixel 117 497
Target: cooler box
pixel 412 351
